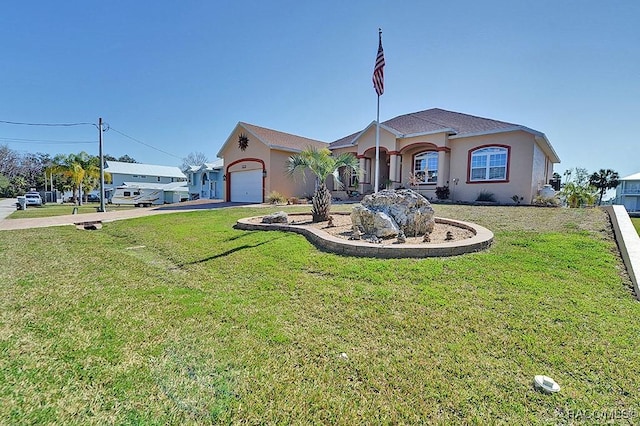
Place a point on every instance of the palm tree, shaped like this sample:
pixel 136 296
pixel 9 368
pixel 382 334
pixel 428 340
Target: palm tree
pixel 82 171
pixel 321 163
pixel 91 178
pixel 603 180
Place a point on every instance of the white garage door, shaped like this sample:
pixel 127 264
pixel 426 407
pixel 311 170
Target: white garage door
pixel 246 187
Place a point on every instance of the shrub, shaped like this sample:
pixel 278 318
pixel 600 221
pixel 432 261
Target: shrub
pixel 442 192
pixel 486 196
pixel 276 198
pixel 546 201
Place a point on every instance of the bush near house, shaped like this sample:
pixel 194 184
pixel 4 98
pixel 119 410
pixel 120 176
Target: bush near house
pixel 486 196
pixel 442 192
pixel 275 197
pixel 540 200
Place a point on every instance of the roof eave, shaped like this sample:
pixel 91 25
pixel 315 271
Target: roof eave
pixel 547 148
pixel 540 137
pixel 496 131
pixel 284 148
pixel 447 130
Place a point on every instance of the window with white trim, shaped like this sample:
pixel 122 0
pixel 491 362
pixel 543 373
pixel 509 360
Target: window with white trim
pixel 489 164
pixel 425 167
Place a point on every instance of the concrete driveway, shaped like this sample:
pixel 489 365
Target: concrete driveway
pixel 7 206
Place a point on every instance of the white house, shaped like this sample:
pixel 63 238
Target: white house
pixel 141 173
pixel 628 193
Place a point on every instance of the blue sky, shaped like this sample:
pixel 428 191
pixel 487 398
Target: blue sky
pixel 178 75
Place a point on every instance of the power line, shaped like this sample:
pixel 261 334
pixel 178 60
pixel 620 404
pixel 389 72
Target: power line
pixel 145 144
pixel 44 141
pixel 15 140
pixel 18 123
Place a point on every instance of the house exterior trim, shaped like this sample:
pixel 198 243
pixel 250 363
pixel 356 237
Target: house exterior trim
pixel 470 153
pixel 227 175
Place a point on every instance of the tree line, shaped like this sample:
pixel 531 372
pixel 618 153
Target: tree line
pixel 77 172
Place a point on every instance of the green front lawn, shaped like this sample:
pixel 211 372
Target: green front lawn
pixel 52 209
pixel 636 223
pixel 180 318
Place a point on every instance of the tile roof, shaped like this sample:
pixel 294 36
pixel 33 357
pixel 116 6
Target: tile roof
pixel 436 119
pixel 276 139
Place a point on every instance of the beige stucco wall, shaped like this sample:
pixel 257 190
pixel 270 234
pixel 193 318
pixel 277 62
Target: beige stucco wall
pixel 236 159
pixel 367 141
pixel 520 167
pixel 529 167
pixel 410 147
pixel 539 175
pixel 275 162
pixel 278 180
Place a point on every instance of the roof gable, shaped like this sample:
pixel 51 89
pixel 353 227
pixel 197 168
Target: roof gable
pixel 274 139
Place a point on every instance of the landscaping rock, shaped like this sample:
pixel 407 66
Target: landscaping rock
pixel 387 212
pixel 374 222
pixel 278 217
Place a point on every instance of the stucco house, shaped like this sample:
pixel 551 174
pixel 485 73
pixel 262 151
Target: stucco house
pixel 255 162
pixel 205 180
pixel 437 148
pixel 140 173
pixel 628 193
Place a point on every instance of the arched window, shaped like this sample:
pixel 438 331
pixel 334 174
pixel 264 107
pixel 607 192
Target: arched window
pixel 425 167
pixel 489 163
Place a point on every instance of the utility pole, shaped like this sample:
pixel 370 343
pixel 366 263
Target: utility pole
pixel 102 208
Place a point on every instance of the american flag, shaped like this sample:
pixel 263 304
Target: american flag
pixel 378 70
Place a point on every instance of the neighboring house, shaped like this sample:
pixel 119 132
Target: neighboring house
pixel 140 173
pixel 628 193
pixel 255 162
pixel 437 148
pixel 205 180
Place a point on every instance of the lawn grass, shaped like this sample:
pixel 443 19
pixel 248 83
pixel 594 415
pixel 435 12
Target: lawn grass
pixel 180 318
pixel 52 209
pixel 636 223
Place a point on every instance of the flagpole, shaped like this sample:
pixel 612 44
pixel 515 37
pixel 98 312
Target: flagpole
pixel 377 147
pixel 378 85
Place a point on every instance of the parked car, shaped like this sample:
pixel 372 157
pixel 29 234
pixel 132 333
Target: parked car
pixel 93 198
pixel 33 199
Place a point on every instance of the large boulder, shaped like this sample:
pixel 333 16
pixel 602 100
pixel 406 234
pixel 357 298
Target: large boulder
pixel 278 217
pixel 374 222
pixel 387 212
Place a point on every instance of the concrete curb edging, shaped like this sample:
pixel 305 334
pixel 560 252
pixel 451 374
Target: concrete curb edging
pixel 327 242
pixel 628 242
